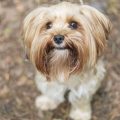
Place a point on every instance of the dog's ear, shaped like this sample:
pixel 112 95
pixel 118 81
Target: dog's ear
pixel 31 28
pixel 98 24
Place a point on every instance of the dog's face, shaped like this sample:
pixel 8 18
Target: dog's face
pixel 63 39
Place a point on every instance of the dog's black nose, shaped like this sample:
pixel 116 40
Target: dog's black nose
pixel 58 39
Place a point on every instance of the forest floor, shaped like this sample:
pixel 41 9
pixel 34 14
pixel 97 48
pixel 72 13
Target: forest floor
pixel 17 85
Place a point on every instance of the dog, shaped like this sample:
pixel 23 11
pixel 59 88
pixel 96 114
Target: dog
pixel 66 43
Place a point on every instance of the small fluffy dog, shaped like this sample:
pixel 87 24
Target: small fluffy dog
pixel 65 43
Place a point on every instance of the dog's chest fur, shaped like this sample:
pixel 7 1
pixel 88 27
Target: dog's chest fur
pixel 83 84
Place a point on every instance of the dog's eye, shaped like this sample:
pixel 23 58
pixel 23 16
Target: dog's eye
pixel 48 25
pixel 73 25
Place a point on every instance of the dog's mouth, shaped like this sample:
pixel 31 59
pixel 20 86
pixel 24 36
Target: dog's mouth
pixel 60 48
pixel 57 48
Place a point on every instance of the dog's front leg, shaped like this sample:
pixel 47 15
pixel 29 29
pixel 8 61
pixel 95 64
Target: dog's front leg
pixel 80 107
pixel 80 99
pixel 52 94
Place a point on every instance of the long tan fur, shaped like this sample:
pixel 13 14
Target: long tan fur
pixel 82 46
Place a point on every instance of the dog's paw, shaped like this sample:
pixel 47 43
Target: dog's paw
pixel 44 103
pixel 80 115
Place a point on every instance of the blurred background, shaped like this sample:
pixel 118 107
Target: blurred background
pixel 17 87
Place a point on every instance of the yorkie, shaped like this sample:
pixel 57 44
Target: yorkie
pixel 65 43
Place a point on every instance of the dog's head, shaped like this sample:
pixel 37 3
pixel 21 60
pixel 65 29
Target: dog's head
pixel 65 38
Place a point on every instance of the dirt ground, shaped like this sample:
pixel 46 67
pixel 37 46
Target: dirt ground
pixel 17 87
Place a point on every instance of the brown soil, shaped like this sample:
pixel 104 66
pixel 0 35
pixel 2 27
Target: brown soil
pixel 17 87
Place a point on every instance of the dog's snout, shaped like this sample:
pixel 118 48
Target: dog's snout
pixel 58 39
